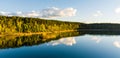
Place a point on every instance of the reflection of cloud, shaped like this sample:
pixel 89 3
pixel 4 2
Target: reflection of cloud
pixel 116 44
pixel 97 40
pixel 67 41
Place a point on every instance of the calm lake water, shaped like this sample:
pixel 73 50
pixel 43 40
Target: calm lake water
pixel 77 46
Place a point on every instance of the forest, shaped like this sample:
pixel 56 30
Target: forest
pixel 109 26
pixel 15 24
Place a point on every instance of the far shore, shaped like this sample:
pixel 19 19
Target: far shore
pixel 113 30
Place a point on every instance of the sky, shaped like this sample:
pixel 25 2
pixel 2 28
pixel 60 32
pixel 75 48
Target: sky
pixel 87 11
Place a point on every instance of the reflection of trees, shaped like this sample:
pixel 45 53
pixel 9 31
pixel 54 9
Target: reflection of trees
pixel 100 32
pixel 12 42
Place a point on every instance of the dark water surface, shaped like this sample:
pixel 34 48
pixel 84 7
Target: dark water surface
pixel 62 45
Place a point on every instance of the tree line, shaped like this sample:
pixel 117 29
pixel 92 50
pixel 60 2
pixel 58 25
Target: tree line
pixel 17 24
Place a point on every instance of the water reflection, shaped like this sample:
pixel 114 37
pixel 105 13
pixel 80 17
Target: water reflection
pixel 112 40
pixel 62 45
pixel 67 41
pixel 96 39
pixel 116 44
pixel 66 38
pixel 15 42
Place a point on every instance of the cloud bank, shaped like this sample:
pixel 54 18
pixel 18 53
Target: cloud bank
pixel 52 12
pixel 117 10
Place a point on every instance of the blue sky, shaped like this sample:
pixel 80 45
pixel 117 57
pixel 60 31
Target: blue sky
pixel 90 11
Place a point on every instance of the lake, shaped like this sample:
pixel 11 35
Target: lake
pixel 62 45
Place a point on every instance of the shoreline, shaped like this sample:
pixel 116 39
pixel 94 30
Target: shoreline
pixel 35 33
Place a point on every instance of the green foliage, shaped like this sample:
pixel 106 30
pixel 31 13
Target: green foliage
pixel 102 26
pixel 16 24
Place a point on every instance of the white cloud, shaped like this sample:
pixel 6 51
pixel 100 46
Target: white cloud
pixel 67 41
pixel 98 13
pixel 4 13
pixel 117 10
pixel 45 13
pixel 116 44
pixel 32 14
pixel 56 12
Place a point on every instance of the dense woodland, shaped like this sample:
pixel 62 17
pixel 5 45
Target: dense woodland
pixel 108 26
pixel 14 24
